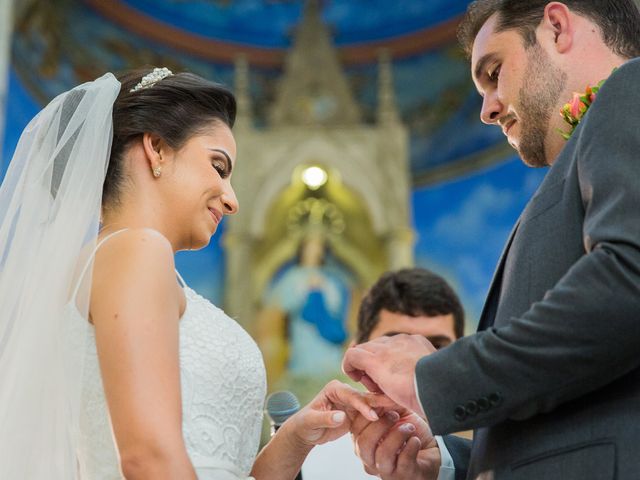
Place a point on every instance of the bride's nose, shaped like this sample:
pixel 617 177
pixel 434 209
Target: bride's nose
pixel 229 201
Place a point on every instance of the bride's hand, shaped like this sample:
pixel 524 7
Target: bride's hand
pixel 328 416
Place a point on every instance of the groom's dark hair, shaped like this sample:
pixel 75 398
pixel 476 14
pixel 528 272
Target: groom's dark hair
pixel 619 21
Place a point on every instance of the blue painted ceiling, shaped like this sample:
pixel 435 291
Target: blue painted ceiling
pixel 268 23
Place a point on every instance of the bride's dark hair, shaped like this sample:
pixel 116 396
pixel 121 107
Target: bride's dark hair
pixel 174 108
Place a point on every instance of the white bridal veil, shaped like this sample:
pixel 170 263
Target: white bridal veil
pixel 49 216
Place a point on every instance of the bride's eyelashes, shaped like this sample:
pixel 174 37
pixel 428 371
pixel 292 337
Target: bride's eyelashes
pixel 220 167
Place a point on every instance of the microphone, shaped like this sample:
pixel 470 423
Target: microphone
pixel 280 406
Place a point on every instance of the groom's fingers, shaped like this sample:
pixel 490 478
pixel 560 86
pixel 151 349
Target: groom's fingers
pixel 356 361
pixel 423 431
pixel 370 384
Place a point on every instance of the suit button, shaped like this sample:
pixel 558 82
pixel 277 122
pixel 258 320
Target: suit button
pixel 460 413
pixel 471 408
pixel 483 404
pixel 495 399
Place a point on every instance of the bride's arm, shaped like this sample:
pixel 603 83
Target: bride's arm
pixel 135 308
pixel 282 457
pixel 326 418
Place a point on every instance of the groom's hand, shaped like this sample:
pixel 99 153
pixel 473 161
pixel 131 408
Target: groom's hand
pixel 387 364
pixel 396 447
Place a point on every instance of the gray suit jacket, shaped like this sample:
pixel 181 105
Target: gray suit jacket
pixel 551 383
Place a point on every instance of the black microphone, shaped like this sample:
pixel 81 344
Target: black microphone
pixel 280 406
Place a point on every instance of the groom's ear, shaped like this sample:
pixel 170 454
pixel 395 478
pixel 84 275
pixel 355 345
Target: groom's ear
pixel 557 24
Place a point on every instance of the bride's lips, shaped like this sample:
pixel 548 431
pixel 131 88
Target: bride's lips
pixel 216 214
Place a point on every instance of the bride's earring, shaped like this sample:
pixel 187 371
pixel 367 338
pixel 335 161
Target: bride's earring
pixel 157 171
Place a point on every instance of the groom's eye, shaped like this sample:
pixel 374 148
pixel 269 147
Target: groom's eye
pixel 494 74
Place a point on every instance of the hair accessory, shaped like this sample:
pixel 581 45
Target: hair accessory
pixel 150 79
pixel 157 171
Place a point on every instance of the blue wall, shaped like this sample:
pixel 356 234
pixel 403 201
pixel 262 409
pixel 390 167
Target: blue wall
pixel 463 224
pixel 20 108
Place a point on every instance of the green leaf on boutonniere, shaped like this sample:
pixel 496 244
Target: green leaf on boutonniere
pixel 573 111
pixel 565 135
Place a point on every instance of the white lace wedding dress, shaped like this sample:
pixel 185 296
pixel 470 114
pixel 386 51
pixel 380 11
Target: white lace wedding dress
pixel 223 384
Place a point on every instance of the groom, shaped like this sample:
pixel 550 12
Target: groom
pixel 551 382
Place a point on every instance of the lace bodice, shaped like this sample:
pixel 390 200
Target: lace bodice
pixel 223 388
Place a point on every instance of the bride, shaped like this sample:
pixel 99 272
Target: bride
pixel 110 365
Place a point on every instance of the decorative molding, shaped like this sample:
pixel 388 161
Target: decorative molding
pixel 314 89
pixel 387 109
pixel 244 116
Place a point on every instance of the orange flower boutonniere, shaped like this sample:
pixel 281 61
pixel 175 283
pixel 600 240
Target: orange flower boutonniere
pixel 573 111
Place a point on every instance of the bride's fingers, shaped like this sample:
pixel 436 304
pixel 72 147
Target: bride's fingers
pixel 316 421
pixel 359 423
pixel 343 396
pixel 329 419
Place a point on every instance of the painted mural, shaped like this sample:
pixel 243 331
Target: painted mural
pixel 61 44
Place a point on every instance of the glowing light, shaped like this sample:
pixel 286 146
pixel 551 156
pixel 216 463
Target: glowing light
pixel 314 177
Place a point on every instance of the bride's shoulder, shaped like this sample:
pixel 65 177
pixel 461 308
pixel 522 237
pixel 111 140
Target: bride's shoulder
pixel 134 277
pixel 135 253
pixel 134 241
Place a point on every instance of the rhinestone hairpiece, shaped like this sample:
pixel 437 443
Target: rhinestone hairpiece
pixel 150 79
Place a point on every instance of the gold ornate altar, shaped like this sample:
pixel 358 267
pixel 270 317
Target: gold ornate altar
pixel 316 167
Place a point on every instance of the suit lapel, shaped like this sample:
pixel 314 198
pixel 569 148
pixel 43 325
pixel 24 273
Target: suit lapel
pixel 493 297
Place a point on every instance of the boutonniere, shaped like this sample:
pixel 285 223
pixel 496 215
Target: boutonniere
pixel 573 111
